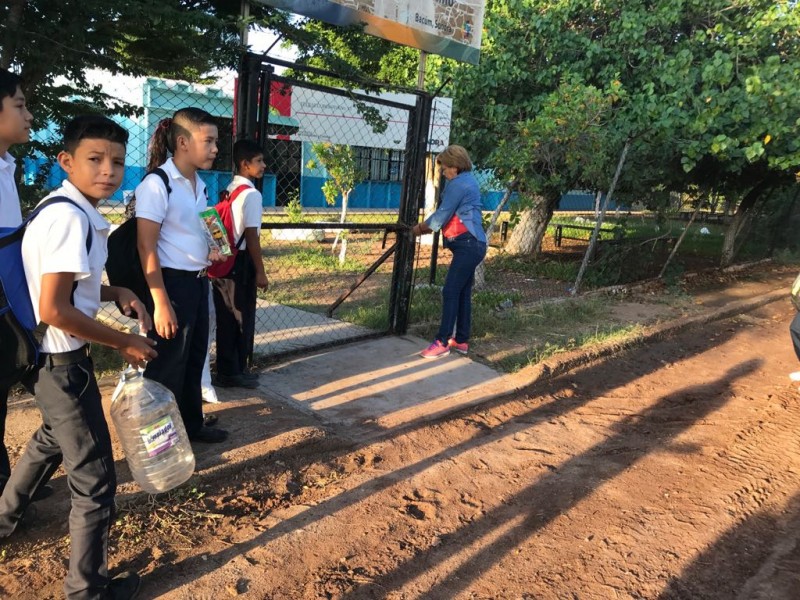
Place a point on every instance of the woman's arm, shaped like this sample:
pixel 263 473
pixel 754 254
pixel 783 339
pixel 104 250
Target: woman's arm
pixel 451 199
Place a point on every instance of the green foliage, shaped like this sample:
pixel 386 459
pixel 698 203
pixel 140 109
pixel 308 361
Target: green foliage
pixel 47 41
pixel 340 162
pixel 706 91
pixel 294 209
pixel 315 258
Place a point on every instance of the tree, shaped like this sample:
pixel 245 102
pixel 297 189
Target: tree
pixel 699 87
pixel 340 162
pixel 54 44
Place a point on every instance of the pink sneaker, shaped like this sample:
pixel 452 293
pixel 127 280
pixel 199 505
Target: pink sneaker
pixel 435 350
pixel 460 348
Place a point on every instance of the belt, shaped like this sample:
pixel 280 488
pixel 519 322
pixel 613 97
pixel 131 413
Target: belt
pixel 180 273
pixel 61 359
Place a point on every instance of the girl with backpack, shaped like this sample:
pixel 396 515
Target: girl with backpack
pixel 175 257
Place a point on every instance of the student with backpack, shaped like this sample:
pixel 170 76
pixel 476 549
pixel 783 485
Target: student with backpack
pixel 234 282
pixel 15 128
pixel 63 253
pixel 174 256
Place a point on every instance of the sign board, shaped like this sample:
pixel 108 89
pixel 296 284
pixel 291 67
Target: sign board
pixel 451 28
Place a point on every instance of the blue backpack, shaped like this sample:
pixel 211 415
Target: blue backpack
pixel 20 334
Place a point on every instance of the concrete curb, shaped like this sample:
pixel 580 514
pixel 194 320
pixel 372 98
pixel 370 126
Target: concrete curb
pixel 569 361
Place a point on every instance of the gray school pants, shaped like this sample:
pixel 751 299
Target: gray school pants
pixel 73 429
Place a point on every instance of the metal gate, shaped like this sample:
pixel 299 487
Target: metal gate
pixel 352 132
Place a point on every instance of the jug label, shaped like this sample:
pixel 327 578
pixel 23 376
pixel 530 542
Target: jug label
pixel 159 436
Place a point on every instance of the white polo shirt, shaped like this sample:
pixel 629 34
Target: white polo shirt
pixel 246 208
pixel 182 243
pixel 55 242
pixel 10 213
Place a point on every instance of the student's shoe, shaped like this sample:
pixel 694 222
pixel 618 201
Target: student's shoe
pixel 209 435
pixel 250 376
pixel 124 586
pixel 43 492
pixel 28 520
pixel 209 394
pixel 460 348
pixel 795 376
pixel 209 420
pixel 436 350
pixel 235 381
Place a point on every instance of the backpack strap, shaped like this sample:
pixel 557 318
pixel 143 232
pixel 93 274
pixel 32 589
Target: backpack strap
pixel 41 328
pixel 60 200
pixel 162 174
pixel 235 194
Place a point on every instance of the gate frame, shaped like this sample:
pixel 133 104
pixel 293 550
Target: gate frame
pixel 251 101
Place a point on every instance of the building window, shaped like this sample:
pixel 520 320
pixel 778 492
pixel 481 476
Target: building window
pixel 380 164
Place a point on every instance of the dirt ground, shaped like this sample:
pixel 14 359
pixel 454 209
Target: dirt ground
pixel 670 472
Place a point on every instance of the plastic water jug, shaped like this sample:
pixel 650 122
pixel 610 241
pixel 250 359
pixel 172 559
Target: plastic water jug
pixel 152 433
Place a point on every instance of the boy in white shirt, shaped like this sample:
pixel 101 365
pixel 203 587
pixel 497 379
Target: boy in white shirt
pixel 236 293
pixel 15 128
pixel 64 252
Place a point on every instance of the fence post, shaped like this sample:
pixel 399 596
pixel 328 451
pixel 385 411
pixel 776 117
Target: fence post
pixel 410 199
pixel 246 96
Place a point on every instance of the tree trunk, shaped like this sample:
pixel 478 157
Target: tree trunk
pixel 342 235
pixel 739 221
pixel 526 238
pixel 480 272
pixel 599 222
pixel 680 240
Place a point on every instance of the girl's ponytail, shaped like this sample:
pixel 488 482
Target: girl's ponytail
pixel 159 145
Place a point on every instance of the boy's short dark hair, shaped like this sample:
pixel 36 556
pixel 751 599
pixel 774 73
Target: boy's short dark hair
pixel 9 83
pixel 245 150
pixel 92 127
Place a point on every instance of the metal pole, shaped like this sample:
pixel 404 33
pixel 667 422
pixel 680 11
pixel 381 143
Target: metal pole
pixel 245 26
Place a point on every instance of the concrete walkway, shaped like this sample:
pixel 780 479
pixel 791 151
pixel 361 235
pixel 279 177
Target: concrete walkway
pixel 373 386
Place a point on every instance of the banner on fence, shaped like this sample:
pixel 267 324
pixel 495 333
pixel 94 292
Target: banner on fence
pixel 451 28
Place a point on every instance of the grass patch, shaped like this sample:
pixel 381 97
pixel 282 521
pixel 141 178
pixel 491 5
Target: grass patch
pixel 537 354
pixel 530 266
pixel 315 258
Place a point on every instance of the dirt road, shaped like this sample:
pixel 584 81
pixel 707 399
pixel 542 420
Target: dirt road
pixel 669 472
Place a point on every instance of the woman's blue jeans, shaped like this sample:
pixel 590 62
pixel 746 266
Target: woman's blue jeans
pixel 468 253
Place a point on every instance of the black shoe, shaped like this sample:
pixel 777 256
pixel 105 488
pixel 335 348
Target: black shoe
pixel 43 492
pixel 124 586
pixel 28 519
pixel 209 435
pixel 235 381
pixel 209 420
pixel 250 376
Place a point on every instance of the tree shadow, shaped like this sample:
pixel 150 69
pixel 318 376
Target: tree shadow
pixel 554 494
pixel 756 559
pixel 601 376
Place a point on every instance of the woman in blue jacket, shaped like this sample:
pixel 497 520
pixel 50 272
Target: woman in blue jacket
pixel 459 220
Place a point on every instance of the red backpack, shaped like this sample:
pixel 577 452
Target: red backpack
pixel 225 209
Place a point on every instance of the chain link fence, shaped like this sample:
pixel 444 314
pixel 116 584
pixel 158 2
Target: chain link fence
pixel 634 244
pixel 337 172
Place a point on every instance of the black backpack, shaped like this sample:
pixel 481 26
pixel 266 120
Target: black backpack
pixel 123 265
pixel 20 334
